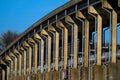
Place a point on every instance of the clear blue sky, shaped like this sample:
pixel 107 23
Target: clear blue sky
pixel 18 15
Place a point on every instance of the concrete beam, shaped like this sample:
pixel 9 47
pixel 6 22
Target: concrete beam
pixel 48 47
pixel 74 40
pixel 65 41
pixel 56 44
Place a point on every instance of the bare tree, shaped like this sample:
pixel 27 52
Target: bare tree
pixel 6 38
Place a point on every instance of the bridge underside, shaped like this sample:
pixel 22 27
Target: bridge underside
pixel 69 45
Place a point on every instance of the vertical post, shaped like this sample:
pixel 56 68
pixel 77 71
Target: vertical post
pixel 24 61
pixel 99 33
pixel 3 74
pixel 86 45
pixel 35 54
pixel 113 22
pixel 48 49
pixel 15 63
pixel 65 41
pixel 8 72
pixel 7 58
pixel 19 61
pixel 56 43
pixel 37 36
pixel 74 26
pixel 30 55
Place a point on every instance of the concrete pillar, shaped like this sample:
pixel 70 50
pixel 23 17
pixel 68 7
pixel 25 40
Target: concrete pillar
pixel 25 44
pixel 56 43
pixel 24 62
pixel 74 35
pixel 19 60
pixel 35 54
pixel 37 36
pixel 86 45
pixel 48 49
pixel 92 10
pixel 8 73
pixel 9 69
pixel 113 22
pixel 3 74
pixel 15 63
pixel 84 74
pixel 98 69
pixel 65 42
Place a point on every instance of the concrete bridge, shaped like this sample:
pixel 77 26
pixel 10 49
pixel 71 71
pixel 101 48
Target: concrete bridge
pixel 67 44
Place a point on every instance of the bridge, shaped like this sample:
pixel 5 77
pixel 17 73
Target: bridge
pixel 67 44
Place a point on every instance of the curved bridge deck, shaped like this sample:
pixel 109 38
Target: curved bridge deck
pixel 67 44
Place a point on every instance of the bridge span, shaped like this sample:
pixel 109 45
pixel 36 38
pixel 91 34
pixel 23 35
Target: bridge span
pixel 67 44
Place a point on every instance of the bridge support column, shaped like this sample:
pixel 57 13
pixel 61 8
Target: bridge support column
pixel 37 36
pixel 74 42
pixel 29 56
pixel 48 49
pixel 56 44
pixel 113 22
pixel 19 61
pixel 24 60
pixel 92 10
pixel 48 57
pixel 98 69
pixel 84 69
pixel 59 24
pixel 8 73
pixel 15 64
pixel 3 74
pixel 35 54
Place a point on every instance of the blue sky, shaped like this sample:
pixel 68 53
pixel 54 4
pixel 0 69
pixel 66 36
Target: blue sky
pixel 18 15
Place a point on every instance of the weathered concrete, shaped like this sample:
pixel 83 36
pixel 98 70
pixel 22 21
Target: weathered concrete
pixel 98 72
pixel 55 75
pixel 84 74
pixel 40 76
pixel 114 71
pixel 48 76
pixel 62 72
pixel 75 74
